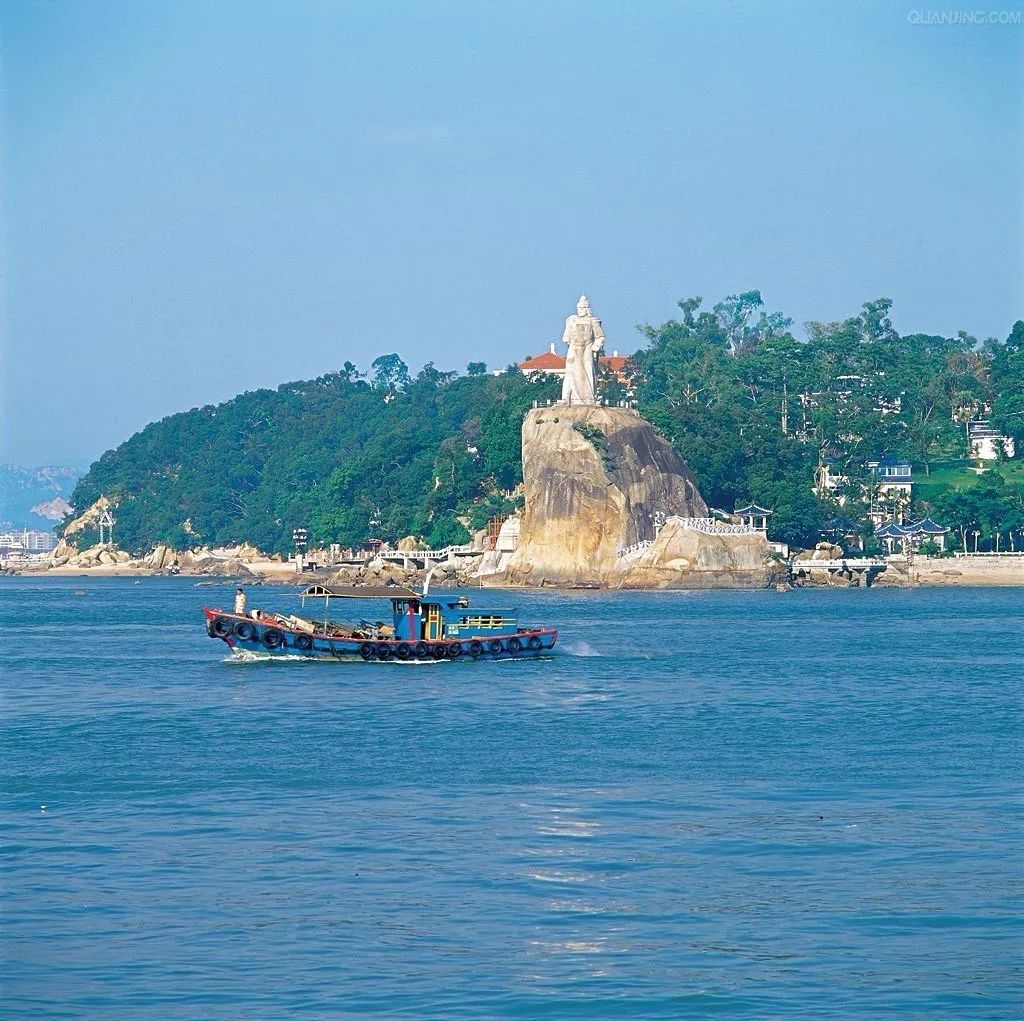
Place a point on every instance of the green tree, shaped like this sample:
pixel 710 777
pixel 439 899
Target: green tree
pixel 1007 372
pixel 390 373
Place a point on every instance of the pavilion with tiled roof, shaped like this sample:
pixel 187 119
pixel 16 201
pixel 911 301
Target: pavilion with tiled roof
pixel 924 530
pixel 754 516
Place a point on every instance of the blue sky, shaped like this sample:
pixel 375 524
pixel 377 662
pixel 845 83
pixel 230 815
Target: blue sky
pixel 204 198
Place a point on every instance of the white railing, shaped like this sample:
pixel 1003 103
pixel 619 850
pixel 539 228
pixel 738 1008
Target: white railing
pixel 708 526
pixel 711 526
pixel 1008 554
pixel 635 548
pixel 598 402
pixel 439 554
pixel 419 554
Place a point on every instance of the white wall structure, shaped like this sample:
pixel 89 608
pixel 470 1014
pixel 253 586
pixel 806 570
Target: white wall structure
pixel 986 443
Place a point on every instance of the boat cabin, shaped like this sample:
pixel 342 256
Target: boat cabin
pixel 424 618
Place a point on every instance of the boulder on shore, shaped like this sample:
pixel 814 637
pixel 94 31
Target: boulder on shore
pixel 63 552
pixel 681 557
pixel 596 480
pixel 827 551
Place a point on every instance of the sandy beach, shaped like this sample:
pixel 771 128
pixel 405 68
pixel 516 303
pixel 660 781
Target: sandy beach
pixel 986 571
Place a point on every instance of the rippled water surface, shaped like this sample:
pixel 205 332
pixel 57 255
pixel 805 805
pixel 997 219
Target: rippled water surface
pixel 706 805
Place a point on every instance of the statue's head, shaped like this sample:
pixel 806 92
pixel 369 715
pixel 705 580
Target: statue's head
pixel 583 306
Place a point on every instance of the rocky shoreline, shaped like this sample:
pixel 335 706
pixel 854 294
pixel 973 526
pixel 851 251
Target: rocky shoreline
pixel 247 566
pixel 243 564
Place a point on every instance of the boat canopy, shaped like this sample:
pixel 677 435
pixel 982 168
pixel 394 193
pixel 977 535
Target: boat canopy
pixel 361 592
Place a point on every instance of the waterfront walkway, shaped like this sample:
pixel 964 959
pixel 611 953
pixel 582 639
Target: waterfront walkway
pixel 410 558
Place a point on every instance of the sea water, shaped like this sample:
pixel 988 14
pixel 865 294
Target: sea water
pixel 718 804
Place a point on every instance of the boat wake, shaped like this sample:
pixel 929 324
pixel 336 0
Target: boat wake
pixel 579 648
pixel 245 656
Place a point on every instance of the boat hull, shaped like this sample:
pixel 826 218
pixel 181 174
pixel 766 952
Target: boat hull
pixel 269 639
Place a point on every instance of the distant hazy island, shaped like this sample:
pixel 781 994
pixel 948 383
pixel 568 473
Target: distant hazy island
pixel 36 498
pixel 846 440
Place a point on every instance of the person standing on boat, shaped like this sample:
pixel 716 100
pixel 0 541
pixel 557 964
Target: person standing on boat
pixel 240 602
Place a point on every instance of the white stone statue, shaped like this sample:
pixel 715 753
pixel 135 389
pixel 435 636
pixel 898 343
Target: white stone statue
pixel 585 339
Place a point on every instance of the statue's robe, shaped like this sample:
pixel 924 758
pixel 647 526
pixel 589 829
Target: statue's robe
pixel 585 338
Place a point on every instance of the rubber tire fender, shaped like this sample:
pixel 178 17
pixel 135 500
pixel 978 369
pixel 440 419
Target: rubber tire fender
pixel 245 631
pixel 514 645
pixel 454 650
pixel 421 650
pixel 438 652
pixel 495 646
pixel 366 650
pixel 273 638
pixel 303 642
pixel 403 651
pixel 533 643
pixel 383 650
pixel 222 628
pixel 475 648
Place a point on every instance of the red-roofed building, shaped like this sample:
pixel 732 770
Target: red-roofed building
pixel 552 363
pixel 615 364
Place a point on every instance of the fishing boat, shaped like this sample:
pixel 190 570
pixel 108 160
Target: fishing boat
pixel 421 628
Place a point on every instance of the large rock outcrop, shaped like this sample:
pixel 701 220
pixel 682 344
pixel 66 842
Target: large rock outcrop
pixel 594 480
pixel 90 516
pixel 684 557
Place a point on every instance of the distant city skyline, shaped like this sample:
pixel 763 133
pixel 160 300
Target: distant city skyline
pixel 203 199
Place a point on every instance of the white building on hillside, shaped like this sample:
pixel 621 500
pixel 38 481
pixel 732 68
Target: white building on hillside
pixel 986 443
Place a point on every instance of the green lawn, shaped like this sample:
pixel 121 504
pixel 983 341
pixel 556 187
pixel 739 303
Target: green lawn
pixel 959 476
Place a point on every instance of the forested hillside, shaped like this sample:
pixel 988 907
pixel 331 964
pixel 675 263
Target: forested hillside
pixel 752 409
pixel 348 457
